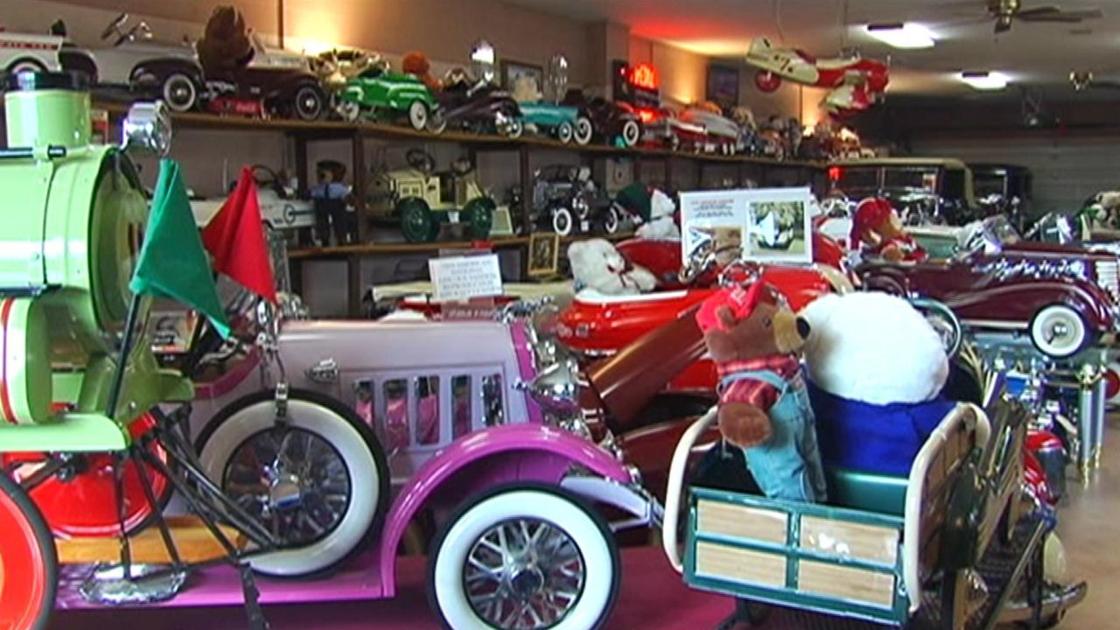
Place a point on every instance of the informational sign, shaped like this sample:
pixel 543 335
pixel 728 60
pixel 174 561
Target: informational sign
pixel 759 224
pixel 461 278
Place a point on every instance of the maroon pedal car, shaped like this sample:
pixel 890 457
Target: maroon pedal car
pixel 1063 298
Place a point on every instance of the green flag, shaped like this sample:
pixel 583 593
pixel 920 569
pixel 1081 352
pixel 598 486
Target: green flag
pixel 172 262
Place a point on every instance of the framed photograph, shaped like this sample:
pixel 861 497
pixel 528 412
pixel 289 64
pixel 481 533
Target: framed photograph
pixel 723 85
pixel 512 70
pixel 759 224
pixel 780 225
pixel 544 254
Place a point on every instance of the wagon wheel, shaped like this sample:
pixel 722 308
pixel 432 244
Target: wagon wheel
pixel 478 214
pixel 417 222
pixel 524 556
pixel 28 561
pixel 319 481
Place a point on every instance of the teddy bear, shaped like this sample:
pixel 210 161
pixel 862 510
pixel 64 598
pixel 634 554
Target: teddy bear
pixel 753 338
pixel 417 64
pixel 225 46
pixel 599 266
pixel 877 231
pixel 662 222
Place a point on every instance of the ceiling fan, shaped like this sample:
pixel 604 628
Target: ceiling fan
pixel 1007 12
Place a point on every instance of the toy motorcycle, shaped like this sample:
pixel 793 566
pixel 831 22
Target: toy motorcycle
pixel 476 105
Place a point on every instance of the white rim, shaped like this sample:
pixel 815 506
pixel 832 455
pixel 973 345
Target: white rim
pixel 564 132
pixel 309 95
pixel 611 224
pixel 630 133
pixel 562 221
pixel 436 122
pixel 515 129
pixel 360 463
pixel 1058 331
pixel 418 115
pixel 563 514
pixel 169 87
pixel 584 130
pixel 349 110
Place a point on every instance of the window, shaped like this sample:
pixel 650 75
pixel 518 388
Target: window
pixel 460 406
pixel 427 409
pixel 492 399
pixel 396 413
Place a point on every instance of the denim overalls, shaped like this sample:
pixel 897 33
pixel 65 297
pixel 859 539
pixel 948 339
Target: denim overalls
pixel 788 465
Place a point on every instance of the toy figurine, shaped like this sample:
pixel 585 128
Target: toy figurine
pixel 330 197
pixel 597 265
pixel 417 64
pixel 877 230
pixel 753 337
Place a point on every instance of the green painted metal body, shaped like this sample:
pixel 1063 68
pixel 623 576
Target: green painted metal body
pixel 391 91
pixel 793 551
pixel 72 224
pixel 868 492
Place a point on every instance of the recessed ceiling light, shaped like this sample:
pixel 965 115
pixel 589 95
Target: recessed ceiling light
pixel 902 35
pixel 985 80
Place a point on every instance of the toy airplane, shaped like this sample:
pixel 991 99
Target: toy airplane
pixel 856 83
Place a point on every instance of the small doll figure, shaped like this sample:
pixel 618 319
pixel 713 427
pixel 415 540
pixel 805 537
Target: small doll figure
pixel 330 197
pixel 877 231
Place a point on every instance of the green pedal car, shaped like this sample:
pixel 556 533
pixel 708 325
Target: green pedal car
pixel 382 94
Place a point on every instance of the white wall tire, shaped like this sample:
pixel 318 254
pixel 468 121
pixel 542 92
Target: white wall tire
pixel 564 132
pixel 418 115
pixel 308 103
pixel 251 420
pixel 584 591
pixel 349 111
pixel 179 92
pixel 611 221
pixel 584 130
pixel 631 133
pixel 1059 331
pixel 562 221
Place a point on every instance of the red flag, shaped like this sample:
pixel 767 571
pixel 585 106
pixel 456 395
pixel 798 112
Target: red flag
pixel 235 238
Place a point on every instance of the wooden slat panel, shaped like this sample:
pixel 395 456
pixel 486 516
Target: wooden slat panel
pixel 855 540
pixel 740 565
pixel 193 541
pixel 740 521
pixel 847 582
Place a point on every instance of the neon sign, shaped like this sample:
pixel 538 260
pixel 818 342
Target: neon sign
pixel 643 76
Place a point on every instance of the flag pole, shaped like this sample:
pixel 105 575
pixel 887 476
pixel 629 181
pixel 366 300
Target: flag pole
pixel 126 349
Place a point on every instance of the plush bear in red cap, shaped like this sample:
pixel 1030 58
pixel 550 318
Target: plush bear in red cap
pixel 877 230
pixel 754 339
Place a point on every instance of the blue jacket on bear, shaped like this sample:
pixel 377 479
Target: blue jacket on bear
pixel 878 439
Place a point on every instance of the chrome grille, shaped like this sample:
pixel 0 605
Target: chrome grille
pixel 1108 277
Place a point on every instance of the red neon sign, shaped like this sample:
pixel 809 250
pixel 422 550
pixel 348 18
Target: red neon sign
pixel 643 75
pixel 835 173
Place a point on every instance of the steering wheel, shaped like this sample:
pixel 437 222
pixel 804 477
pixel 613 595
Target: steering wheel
pixel 114 26
pixel 836 206
pixel 266 177
pixel 455 76
pixel 420 160
pixel 462 166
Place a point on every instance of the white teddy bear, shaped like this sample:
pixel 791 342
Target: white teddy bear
pixel 661 224
pixel 598 266
pixel 875 348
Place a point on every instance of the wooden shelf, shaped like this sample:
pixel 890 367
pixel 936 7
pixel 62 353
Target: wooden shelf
pixel 369 250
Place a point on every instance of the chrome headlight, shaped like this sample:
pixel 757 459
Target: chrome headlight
pixel 556 388
pixel 147 127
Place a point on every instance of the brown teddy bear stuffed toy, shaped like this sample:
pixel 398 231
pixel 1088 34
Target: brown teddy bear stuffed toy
pixel 877 231
pixel 753 337
pixel 417 64
pixel 225 46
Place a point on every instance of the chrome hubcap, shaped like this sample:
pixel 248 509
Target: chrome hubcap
pixel 293 481
pixel 524 574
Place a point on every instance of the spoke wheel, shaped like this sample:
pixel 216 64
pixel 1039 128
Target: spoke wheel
pixel 28 564
pixel 526 558
pixel 318 481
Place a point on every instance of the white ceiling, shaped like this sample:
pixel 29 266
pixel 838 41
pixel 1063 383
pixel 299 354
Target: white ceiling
pixel 1038 55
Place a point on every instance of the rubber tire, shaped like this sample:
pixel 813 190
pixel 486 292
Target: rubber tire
pixel 418 115
pixel 584 131
pixel 168 88
pixel 531 500
pixel 1084 338
pixel 564 132
pixel 37 614
pixel 515 129
pixel 437 123
pixel 312 94
pixel 478 214
pixel 25 65
pixel 349 111
pixel 631 133
pixel 418 224
pixel 611 221
pixel 562 221
pixel 220 437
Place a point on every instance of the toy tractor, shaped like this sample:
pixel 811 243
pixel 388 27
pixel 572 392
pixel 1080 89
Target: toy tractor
pixel 422 201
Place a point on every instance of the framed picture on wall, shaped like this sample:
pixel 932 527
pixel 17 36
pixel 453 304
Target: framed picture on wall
pixel 512 70
pixel 723 85
pixel 544 254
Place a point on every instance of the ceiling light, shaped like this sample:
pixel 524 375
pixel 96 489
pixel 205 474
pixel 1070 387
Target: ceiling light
pixel 985 80
pixel 900 35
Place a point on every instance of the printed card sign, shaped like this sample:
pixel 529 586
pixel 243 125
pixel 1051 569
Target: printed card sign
pixel 461 278
pixel 759 224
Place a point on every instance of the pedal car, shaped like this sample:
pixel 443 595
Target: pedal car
pixel 566 200
pixel 1063 299
pixel 280 209
pixel 421 200
pixel 382 94
pixel 662 127
pixel 475 105
pixel 723 133
pixel 562 121
pixel 24 52
pixel 900 551
pixel 147 70
pixel 614 122
pixel 924 190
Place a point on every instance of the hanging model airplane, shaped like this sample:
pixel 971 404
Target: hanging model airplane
pixel 856 83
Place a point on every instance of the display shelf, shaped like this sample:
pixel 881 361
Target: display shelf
pixel 369 250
